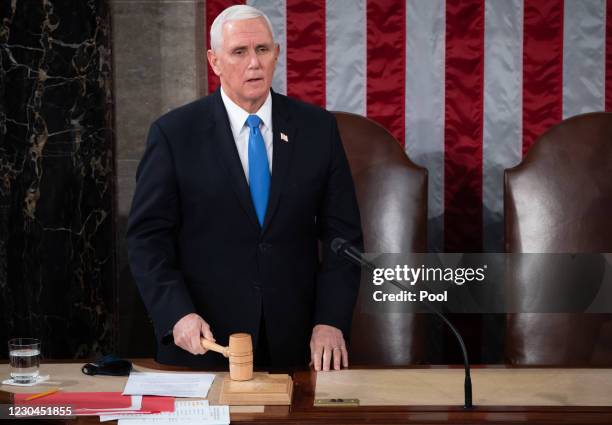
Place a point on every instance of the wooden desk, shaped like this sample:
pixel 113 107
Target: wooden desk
pixel 424 384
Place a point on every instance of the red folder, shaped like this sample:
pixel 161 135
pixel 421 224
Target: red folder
pixel 98 400
pixel 157 404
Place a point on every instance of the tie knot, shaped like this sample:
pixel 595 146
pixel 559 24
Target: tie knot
pixel 253 122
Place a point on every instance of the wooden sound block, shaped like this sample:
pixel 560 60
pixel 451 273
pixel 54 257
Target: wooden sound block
pixel 263 389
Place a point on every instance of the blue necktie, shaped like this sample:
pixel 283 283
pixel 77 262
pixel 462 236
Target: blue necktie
pixel 259 169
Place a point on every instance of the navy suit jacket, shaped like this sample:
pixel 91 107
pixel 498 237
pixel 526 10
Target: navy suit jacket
pixel 195 244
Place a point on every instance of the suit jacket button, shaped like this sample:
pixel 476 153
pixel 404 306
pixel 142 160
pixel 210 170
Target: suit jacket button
pixel 263 247
pixel 257 286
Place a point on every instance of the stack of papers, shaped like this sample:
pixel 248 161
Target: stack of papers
pixel 187 412
pixel 148 398
pixel 169 384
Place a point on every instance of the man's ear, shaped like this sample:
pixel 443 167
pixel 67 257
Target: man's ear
pixel 213 60
pixel 277 51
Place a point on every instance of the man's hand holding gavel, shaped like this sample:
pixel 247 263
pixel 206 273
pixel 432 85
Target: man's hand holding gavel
pixel 188 331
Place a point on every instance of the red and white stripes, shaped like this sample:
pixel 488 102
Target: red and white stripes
pixel 463 125
pixel 346 55
pixel 424 109
pixel 502 114
pixel 465 85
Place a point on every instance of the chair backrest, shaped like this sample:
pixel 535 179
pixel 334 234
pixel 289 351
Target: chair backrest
pixel 559 199
pixel 392 197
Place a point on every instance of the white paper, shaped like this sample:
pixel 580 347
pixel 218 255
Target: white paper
pixel 182 408
pixel 169 384
pixel 186 413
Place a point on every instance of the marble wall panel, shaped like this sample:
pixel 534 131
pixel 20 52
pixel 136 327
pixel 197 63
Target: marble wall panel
pixel 57 186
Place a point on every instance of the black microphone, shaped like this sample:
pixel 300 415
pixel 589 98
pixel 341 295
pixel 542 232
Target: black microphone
pixel 344 249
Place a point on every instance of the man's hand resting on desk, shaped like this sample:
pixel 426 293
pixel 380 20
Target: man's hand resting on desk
pixel 327 343
pixel 188 331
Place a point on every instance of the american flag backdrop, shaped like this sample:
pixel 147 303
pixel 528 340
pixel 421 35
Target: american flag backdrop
pixel 466 86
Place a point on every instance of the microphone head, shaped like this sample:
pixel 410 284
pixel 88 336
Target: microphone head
pixel 337 244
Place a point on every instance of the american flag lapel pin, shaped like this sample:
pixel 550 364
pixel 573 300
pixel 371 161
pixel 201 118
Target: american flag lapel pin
pixel 284 137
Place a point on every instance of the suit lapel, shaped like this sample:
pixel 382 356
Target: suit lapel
pixel 282 147
pixel 226 146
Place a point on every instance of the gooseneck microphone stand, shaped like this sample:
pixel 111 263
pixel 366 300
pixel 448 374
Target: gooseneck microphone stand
pixel 344 249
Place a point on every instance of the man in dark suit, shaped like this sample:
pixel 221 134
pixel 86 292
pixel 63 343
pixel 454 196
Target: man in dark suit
pixel 233 193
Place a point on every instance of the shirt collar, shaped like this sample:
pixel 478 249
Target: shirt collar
pixel 237 115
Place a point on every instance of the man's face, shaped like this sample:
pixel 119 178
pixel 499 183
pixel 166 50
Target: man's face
pixel 245 62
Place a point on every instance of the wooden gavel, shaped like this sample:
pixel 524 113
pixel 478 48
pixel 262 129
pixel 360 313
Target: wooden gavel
pixel 240 354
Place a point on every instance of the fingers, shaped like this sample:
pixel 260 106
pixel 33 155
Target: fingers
pixel 327 354
pixel 337 358
pixel 188 331
pixel 344 352
pixel 207 334
pixel 317 352
pixel 195 347
pixel 328 348
pixel 323 356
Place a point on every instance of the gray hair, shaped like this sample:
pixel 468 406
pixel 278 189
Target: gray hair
pixel 238 12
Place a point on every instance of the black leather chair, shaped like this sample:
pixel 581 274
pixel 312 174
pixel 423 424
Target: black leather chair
pixel 392 197
pixel 559 199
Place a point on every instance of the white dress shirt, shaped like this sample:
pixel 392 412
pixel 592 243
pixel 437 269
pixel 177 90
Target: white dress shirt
pixel 240 130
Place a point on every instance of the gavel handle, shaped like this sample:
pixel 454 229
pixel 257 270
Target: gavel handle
pixel 209 345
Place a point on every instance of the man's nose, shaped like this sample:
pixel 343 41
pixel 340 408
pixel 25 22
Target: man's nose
pixel 253 60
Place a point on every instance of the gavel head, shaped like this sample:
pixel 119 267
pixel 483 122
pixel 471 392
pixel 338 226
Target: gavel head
pixel 240 357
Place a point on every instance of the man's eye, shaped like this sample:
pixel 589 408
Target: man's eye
pixel 239 52
pixel 262 49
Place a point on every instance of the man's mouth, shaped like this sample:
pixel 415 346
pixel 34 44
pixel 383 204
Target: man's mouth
pixel 254 80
